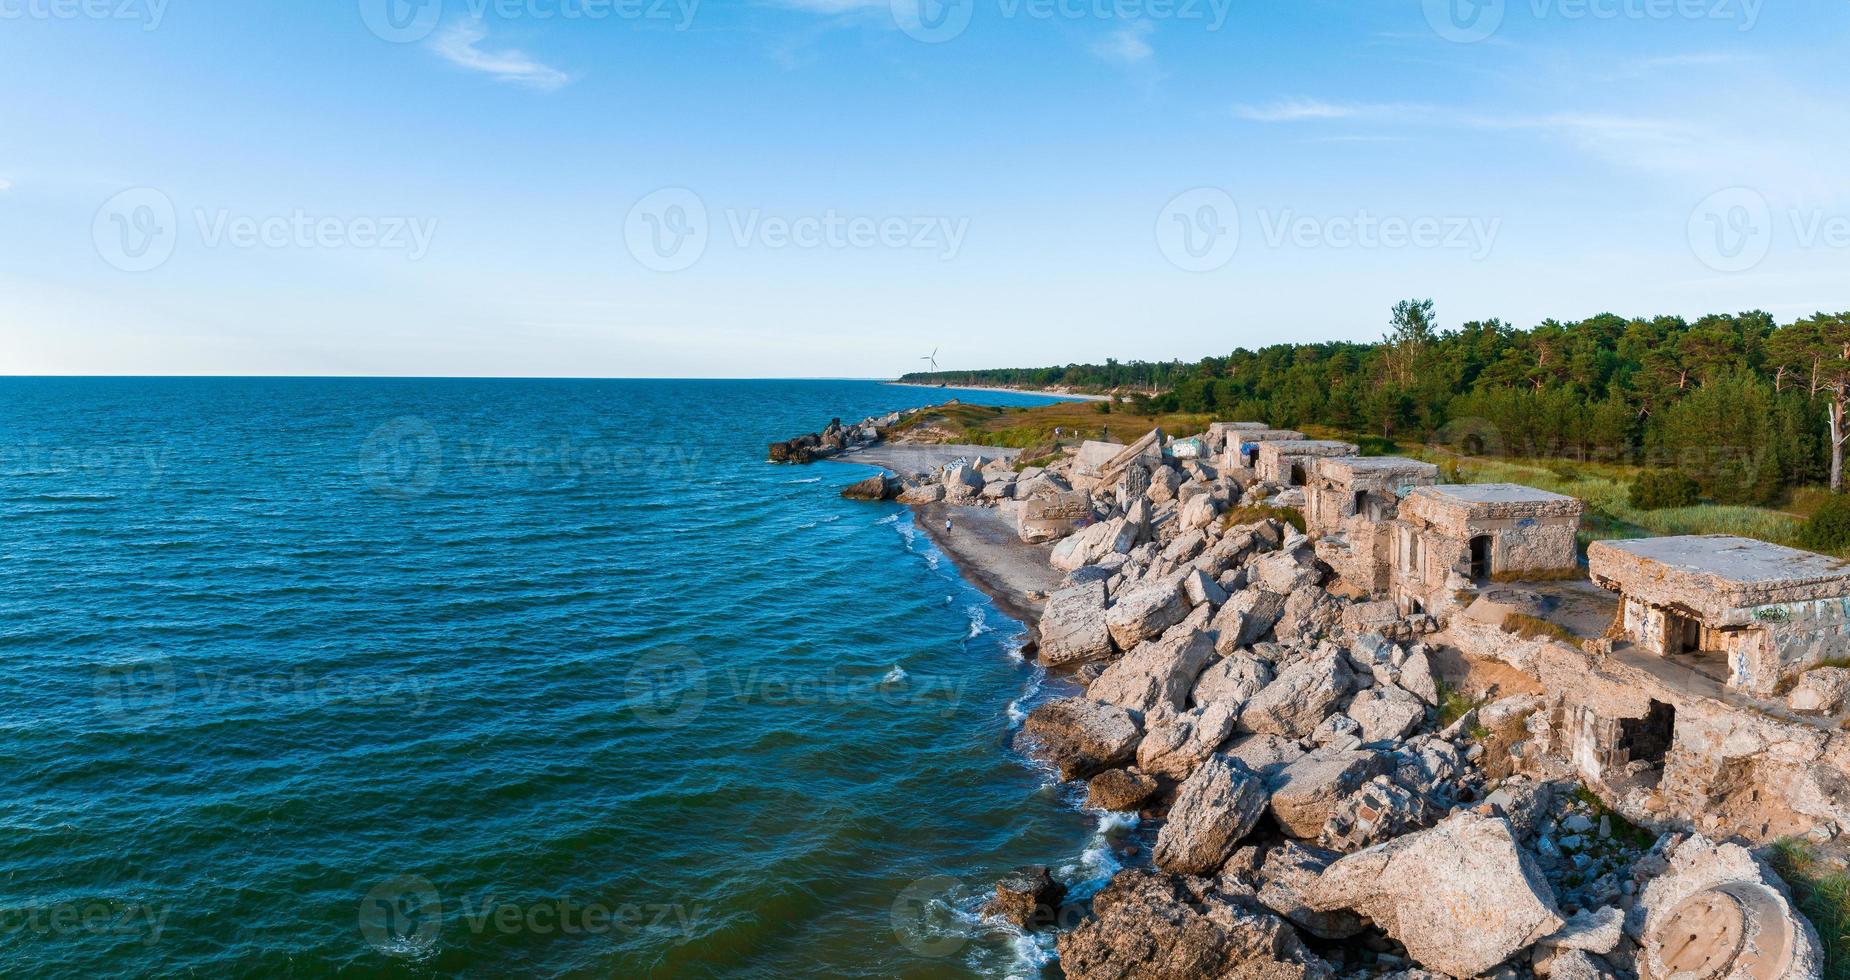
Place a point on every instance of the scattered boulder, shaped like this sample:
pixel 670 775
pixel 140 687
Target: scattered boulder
pixel 1156 672
pixel 1175 747
pixel 1462 897
pixel 1027 897
pixel 1232 679
pixel 922 493
pixel 1145 610
pixel 1215 808
pixel 1380 811
pixel 1386 713
pixel 1267 755
pixel 1417 677
pixel 1201 590
pixel 876 487
pixel 1590 930
pixel 1285 572
pixel 1821 691
pixel 1298 700
pixel 1073 626
pixel 1199 511
pixel 1290 870
pixel 1246 618
pixel 1574 964
pixel 1052 516
pixel 1306 793
pixel 1082 737
pixel 1149 926
pixel 1120 789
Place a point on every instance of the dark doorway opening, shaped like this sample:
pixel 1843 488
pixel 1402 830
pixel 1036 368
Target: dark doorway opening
pixel 1648 739
pixel 1480 557
pixel 1361 503
pixel 1297 474
pixel 1681 634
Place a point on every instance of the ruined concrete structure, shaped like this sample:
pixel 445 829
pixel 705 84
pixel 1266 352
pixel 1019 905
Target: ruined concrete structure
pixel 1350 501
pixel 1241 458
pixel 1752 614
pixel 1449 537
pixel 1288 462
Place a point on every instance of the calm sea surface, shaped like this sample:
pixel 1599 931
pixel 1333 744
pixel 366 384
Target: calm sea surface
pixel 493 678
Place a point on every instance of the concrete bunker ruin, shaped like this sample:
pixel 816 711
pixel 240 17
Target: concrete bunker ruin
pixel 1447 538
pixel 1751 614
pixel 1288 462
pixel 1349 501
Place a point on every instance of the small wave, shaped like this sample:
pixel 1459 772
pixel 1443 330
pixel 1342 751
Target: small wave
pixel 73 497
pixel 813 479
pixel 1095 866
pixel 978 625
pixel 894 676
pixel 888 519
pixel 1018 708
pixel 807 527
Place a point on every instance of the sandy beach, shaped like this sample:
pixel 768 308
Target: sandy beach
pixel 982 542
pixel 1049 392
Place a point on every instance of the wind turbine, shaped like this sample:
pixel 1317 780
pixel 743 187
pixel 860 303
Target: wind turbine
pixel 932 357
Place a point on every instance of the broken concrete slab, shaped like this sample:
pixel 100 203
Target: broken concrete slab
pixel 1306 792
pixel 1215 809
pixel 1462 897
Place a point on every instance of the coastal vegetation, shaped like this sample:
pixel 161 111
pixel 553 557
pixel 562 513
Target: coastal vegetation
pixel 1744 407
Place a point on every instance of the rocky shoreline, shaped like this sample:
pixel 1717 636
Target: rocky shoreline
pixel 1317 811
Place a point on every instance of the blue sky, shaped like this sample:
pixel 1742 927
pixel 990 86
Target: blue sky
pixel 808 188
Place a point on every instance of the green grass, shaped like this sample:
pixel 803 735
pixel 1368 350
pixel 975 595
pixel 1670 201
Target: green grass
pixel 1822 893
pixel 1532 628
pixel 1454 704
pixel 1254 513
pixel 1026 428
pixel 1622 828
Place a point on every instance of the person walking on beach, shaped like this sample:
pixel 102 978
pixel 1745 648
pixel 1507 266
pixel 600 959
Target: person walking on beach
pixel 947 525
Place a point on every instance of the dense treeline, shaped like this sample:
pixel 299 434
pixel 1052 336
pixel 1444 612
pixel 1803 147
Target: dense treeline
pixel 1742 404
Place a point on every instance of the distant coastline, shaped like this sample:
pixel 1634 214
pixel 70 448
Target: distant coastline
pixel 1050 392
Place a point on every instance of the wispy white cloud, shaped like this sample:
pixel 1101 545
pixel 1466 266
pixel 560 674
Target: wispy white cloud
pixel 1128 45
pixel 1312 110
pixel 5 185
pixel 459 44
pixel 832 6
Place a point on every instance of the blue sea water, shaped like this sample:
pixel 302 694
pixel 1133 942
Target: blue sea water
pixel 494 678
